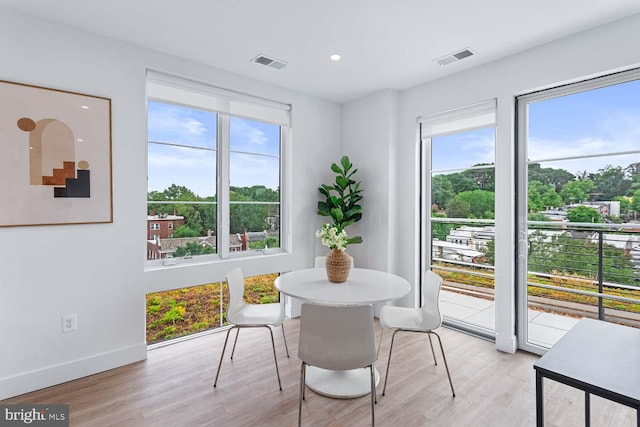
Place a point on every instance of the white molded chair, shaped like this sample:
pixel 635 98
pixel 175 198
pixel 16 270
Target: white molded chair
pixel 321 261
pixel 243 315
pixel 339 339
pixel 424 319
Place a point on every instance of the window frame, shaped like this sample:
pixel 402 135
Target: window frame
pixel 223 170
pixel 479 116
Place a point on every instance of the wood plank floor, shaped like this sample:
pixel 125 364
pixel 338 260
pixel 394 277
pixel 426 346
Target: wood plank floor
pixel 173 387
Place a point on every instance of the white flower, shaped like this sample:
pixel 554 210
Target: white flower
pixel 332 238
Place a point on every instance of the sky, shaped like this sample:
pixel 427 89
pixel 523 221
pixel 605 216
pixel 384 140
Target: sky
pixel 599 121
pixel 255 150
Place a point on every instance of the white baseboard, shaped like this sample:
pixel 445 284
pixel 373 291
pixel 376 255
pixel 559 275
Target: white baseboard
pixel 37 379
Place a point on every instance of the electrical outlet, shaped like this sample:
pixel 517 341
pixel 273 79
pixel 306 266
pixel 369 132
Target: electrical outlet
pixel 69 322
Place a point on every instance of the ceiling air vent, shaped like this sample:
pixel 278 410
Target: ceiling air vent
pixel 455 56
pixel 269 62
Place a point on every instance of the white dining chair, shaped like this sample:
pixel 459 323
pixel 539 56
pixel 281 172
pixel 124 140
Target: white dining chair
pixel 243 315
pixel 423 320
pixel 339 339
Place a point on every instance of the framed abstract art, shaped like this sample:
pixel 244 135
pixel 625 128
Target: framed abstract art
pixel 55 157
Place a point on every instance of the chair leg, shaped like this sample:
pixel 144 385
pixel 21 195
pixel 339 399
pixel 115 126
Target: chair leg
pixel 275 359
pixel 373 396
pixel 285 340
pixel 445 363
pixel 215 382
pixel 380 342
pixel 303 370
pixel 234 343
pixel 393 337
pixel 435 361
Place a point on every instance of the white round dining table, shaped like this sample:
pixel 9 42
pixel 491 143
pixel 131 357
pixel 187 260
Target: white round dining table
pixel 363 286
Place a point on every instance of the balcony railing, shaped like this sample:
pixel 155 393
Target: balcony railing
pixel 579 270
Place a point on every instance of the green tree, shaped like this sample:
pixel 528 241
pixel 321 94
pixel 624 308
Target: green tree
pixel 484 178
pixel 209 215
pixel 490 253
pixel 633 172
pixel 635 203
pixel 192 217
pixel 246 216
pixel 458 208
pixel 193 248
pixel 576 191
pixel 534 200
pixel 481 203
pixel 555 178
pixel 609 182
pixel 551 199
pixel 542 196
pixel 441 191
pixel 185 231
pixel 462 181
pixel 268 242
pixel 584 214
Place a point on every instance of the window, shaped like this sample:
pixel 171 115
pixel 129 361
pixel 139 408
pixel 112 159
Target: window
pixel 578 200
pixel 154 226
pixel 215 168
pixel 458 169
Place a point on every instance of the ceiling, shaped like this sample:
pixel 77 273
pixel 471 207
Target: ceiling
pixel 384 44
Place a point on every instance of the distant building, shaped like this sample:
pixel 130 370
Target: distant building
pixel 162 226
pixel 608 208
pixel 475 238
pixel 454 251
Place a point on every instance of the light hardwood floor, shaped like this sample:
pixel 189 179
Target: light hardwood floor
pixel 174 387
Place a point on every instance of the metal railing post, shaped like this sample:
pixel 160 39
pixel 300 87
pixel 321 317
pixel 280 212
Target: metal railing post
pixel 600 273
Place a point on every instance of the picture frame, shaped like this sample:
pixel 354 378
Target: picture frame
pixel 55 157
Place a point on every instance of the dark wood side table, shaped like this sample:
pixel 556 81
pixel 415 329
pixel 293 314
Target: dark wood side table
pixel 598 357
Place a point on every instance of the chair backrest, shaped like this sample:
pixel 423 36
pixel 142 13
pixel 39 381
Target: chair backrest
pixel 235 280
pixel 431 316
pixel 337 338
pixel 321 261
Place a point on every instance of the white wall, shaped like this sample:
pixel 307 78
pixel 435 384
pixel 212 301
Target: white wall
pixel 369 133
pixel 98 270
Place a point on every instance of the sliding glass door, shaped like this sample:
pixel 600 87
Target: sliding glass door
pixel 578 206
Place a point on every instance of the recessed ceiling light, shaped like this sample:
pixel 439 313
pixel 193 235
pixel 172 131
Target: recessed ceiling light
pixel 84 107
pixel 335 57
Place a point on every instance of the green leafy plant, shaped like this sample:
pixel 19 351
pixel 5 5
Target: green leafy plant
pixel 341 199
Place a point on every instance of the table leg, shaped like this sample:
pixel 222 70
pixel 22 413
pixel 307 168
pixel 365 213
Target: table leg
pixel 539 400
pixel 587 410
pixel 340 384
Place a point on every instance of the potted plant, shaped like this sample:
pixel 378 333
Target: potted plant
pixel 341 205
pixel 341 199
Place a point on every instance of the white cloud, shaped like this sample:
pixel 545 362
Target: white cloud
pixel 192 126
